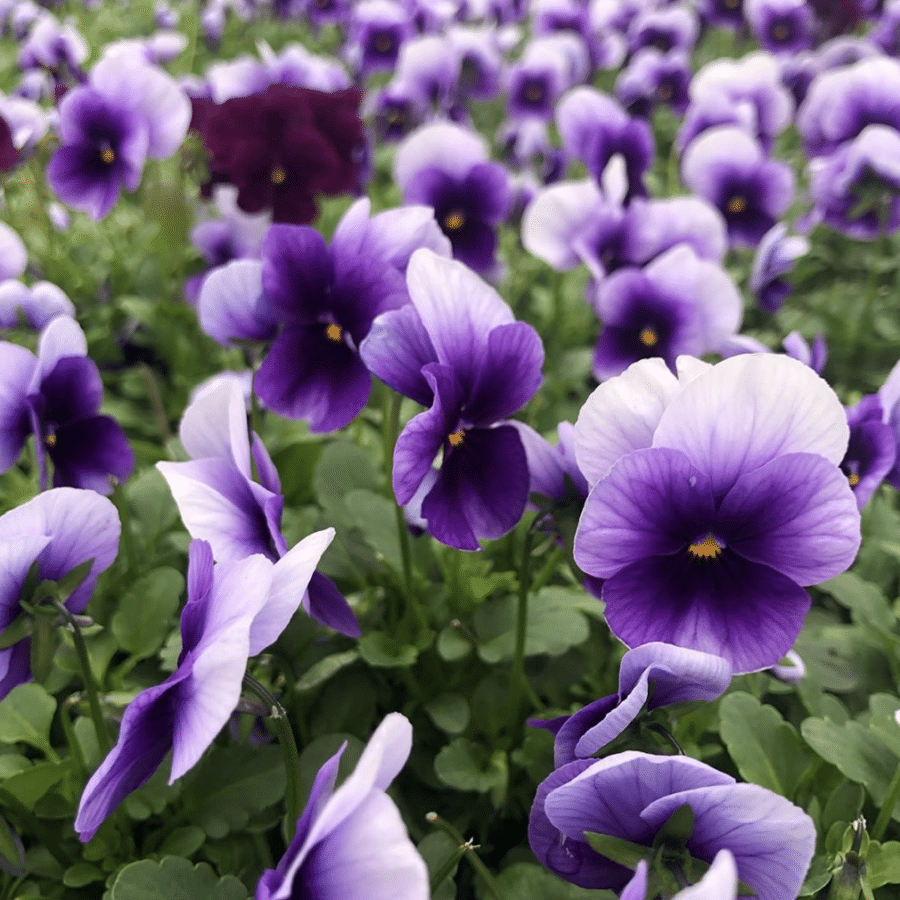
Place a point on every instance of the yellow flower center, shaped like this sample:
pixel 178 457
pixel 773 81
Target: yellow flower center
pixel 457 437
pixel 278 175
pixel 781 32
pixel 732 4
pixel 853 478
pixel 534 93
pixel 708 548
pixel 334 332
pixel 454 220
pixel 648 337
pixel 737 204
pixel 664 92
pixel 384 43
pixel 108 155
pixel 50 440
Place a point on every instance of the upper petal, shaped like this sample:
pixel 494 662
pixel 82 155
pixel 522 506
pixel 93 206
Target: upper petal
pixel 215 425
pixel 231 305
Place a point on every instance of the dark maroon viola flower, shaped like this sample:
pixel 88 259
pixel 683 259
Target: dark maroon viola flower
pixel 837 16
pixel 283 147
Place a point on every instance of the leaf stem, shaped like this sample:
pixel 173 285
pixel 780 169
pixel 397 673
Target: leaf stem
pixel 517 679
pixel 887 808
pixel 468 848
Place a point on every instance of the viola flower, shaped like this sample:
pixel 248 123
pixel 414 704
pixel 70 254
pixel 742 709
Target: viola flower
pixel 458 350
pixel 220 502
pixel 234 610
pixel 354 835
pixel 729 169
pixel 723 13
pixel 548 66
pixel 886 33
pixel 665 29
pixel 650 676
pixel 553 470
pixel 889 396
pixel 429 67
pixel 814 356
pixel 774 258
pixel 446 167
pixel 481 62
pixel 37 304
pixel 871 452
pixel 837 16
pixel 13 255
pixel 654 78
pixel 772 841
pixel 594 128
pixel 719 883
pixel 283 147
pixel 378 29
pixel 716 497
pixel 781 26
pixel 60 530
pixel 9 153
pixel 856 190
pixel 679 304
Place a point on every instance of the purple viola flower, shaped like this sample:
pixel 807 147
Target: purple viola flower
pixel 234 611
pixel 594 128
pixel 842 102
pixel 548 66
pixel 378 29
pixel 815 356
pixel 37 304
pixel 654 78
pixel 871 452
pixel 889 395
pixel 775 257
pixel 429 68
pixel 679 304
pixel 60 530
pixel 481 62
pixel 13 255
pixel 716 497
pixel 458 350
pixel 886 33
pixel 664 29
pixel 723 13
pixel 53 46
pixel 772 841
pixel 728 168
pixel 354 835
pixel 856 190
pixel 57 396
pixel 650 676
pixel 719 883
pixel 220 502
pixel 446 167
pixel 781 26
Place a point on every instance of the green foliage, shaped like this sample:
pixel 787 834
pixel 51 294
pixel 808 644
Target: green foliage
pixel 174 878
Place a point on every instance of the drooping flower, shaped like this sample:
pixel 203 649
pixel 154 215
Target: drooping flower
pixel 354 835
pixel 458 350
pixel 716 497
pixel 650 676
pixel 234 611
pixel 221 503
pixel 871 451
pixel 772 841
pixel 60 530
pixel 774 258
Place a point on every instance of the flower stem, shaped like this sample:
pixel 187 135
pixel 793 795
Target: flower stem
pixel 887 808
pixel 121 501
pixel 468 848
pixel 279 718
pixel 87 676
pixel 518 684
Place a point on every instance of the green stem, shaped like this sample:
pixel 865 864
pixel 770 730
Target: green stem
pixel 282 726
pixel 887 808
pixel 517 680
pixel 87 676
pixel 468 848
pixel 444 871
pixel 71 739
pixel 159 410
pixel 121 501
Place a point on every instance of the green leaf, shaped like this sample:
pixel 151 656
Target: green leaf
pixel 376 517
pixel 527 881
pixel 676 831
pixel 81 874
pixel 864 600
pixel 618 850
pixel 883 863
pixel 452 645
pixel 765 748
pixel 151 504
pixel 45 638
pixel 385 652
pixel 320 672
pixel 231 785
pixel 19 628
pixel 25 715
pixel 296 464
pixel 12 852
pixel 29 786
pixel 436 848
pixel 557 620
pixel 449 712
pixel 343 467
pixel 185 841
pixel 174 879
pixel 467 766
pixel 145 614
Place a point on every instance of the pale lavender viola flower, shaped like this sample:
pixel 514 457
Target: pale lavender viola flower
pixel 554 16
pixel 654 78
pixel 544 71
pixel 650 676
pixel 606 26
pixel 724 481
pixel 354 835
pixel 781 26
pixel 13 255
pixel 221 503
pixel 481 63
pixel 234 611
pixel 527 147
pixel 678 304
pixel 719 883
pixel 458 350
pixel 37 304
pixel 664 29
pixel 814 355
pixel 728 168
pixel 842 102
pixel 53 46
pixel 774 259
pixel 59 530
pixel 772 841
pixel 429 67
pixel 378 29
pixel 594 128
pixel 446 167
pixel 872 450
pixel 856 189
pixel 886 33
pixel 711 112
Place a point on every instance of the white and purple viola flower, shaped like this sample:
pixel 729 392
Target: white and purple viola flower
pixel 221 503
pixel 871 451
pixel 774 259
pixel 35 305
pixel 458 350
pixel 56 396
pixel 650 676
pixel 631 796
pixel 716 497
pixel 59 530
pixel 354 835
pixel 234 610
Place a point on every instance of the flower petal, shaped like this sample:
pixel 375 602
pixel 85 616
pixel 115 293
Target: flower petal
pixel 232 306
pixel 215 425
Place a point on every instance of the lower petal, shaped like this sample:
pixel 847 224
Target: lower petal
pixel 88 452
